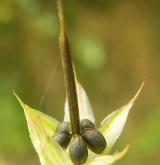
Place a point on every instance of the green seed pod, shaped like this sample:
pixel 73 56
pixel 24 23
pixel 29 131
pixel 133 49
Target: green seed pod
pixel 95 140
pixel 62 138
pixel 64 126
pixel 85 123
pixel 78 150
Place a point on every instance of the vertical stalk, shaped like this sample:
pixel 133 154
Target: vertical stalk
pixel 69 76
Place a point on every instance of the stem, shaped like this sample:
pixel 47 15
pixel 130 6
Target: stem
pixel 69 76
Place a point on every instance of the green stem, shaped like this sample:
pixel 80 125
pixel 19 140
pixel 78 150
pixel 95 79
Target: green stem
pixel 69 76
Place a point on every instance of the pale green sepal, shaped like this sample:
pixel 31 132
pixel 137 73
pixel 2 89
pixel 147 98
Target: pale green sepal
pixel 85 109
pixel 108 159
pixel 49 123
pixel 41 128
pixel 111 127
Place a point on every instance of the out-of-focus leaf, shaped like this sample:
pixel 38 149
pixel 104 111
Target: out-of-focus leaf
pixel 112 126
pixel 108 159
pixel 85 109
pixel 41 128
pixel 91 51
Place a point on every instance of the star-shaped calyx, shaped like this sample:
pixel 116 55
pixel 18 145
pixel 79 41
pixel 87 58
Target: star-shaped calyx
pixel 77 140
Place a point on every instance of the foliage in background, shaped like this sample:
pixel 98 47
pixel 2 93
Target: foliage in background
pixel 126 35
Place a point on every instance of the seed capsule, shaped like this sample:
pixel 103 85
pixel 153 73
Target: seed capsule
pixel 85 123
pixel 78 150
pixel 95 140
pixel 64 126
pixel 62 138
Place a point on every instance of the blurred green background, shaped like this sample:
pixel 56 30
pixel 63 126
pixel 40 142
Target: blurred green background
pixel 115 44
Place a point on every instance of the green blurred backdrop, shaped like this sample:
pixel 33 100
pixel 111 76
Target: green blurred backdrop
pixel 115 44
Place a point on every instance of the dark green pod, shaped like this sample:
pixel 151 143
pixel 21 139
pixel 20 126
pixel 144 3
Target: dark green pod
pixel 78 150
pixel 85 123
pixel 95 140
pixel 62 138
pixel 64 126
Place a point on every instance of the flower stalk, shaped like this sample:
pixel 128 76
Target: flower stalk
pixel 69 76
pixel 50 138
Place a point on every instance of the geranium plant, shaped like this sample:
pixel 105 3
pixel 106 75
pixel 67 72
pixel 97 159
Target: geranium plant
pixel 77 140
